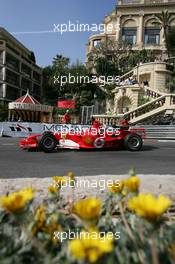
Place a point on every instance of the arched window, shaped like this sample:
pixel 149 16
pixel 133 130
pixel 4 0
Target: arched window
pixel 129 31
pixel 129 35
pixel 152 36
pixel 96 42
pixel 151 33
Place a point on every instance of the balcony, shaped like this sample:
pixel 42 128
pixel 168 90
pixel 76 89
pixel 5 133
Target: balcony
pixel 12 62
pixel 26 70
pixel 36 77
pixel 12 78
pixel 37 90
pixel 26 84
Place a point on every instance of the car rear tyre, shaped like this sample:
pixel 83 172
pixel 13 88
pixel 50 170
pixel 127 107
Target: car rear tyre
pixel 48 143
pixel 133 142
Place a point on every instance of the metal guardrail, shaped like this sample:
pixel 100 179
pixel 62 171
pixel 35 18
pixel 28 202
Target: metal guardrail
pixel 159 132
pixel 152 131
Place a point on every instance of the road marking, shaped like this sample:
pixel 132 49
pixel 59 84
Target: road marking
pixel 7 144
pixel 166 140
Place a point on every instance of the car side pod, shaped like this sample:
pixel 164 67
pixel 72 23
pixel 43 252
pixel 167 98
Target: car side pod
pixel 133 142
pixel 48 142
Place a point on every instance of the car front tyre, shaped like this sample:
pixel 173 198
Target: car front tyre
pixel 48 143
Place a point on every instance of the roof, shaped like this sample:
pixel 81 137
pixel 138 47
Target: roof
pixel 12 38
pixel 27 99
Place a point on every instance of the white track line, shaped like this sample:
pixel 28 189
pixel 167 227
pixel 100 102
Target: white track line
pixel 166 140
pixel 8 144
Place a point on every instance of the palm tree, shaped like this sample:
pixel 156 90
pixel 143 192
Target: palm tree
pixel 171 40
pixel 60 61
pixel 164 20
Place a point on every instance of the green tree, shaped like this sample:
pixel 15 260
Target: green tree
pixel 140 56
pixel 171 40
pixel 52 89
pixel 108 57
pixel 106 67
pixel 3 112
pixel 60 62
pixel 164 20
pixel 80 89
pixel 171 82
pixel 50 94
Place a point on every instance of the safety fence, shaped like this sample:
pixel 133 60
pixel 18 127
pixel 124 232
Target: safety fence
pixel 20 129
pixel 160 132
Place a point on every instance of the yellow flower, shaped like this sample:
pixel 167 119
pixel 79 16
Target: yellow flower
pixel 88 208
pixel 132 183
pixel 149 206
pixel 172 251
pixel 59 181
pixel 16 201
pixel 71 175
pixel 90 246
pixel 51 226
pixel 27 192
pixel 40 219
pixel 52 189
pixel 40 215
pixel 116 187
pixel 42 224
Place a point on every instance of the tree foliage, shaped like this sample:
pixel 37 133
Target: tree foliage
pixel 108 57
pixel 171 41
pixel 3 112
pixel 76 88
pixel 113 58
pixel 164 21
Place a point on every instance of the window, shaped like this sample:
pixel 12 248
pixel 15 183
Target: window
pixel 1 90
pixel 12 78
pixel 36 76
pixel 12 62
pixel 12 49
pixel 25 84
pixel 129 35
pixel 24 58
pixel 26 70
pixel 12 93
pixel 36 90
pixel 152 36
pixel 96 42
pixel 1 57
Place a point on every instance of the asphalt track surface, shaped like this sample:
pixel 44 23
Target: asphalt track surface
pixel 155 158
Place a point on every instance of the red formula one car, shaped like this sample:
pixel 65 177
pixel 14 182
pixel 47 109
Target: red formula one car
pixel 89 138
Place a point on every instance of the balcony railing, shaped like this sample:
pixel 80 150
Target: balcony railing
pixel 162 103
pixel 109 120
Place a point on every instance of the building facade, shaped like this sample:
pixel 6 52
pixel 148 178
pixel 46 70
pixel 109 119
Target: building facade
pixel 18 70
pixel 133 22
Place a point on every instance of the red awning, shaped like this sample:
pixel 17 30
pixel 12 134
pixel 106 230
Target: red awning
pixel 69 104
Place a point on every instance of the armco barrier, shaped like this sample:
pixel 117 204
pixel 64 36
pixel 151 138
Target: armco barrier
pixel 160 132
pixel 24 129
pixel 20 129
